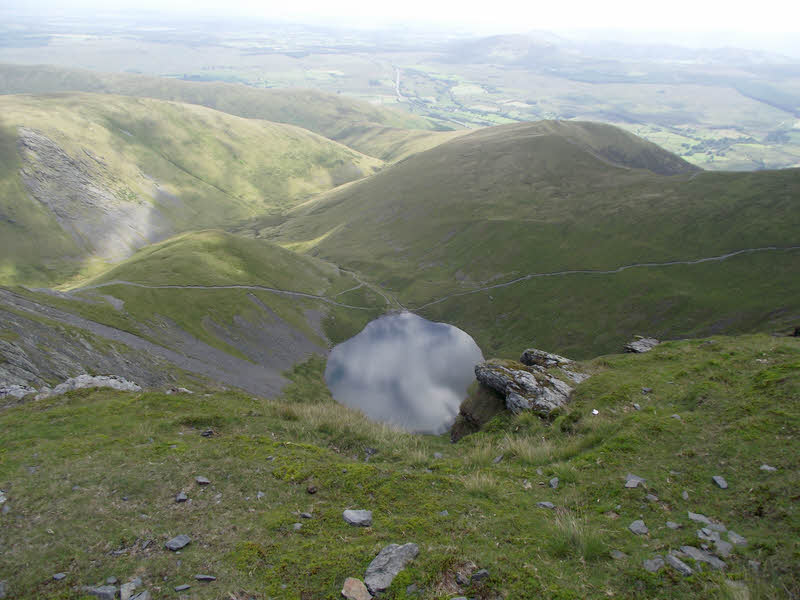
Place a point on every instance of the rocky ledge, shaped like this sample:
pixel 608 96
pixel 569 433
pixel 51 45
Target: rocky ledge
pixel 524 387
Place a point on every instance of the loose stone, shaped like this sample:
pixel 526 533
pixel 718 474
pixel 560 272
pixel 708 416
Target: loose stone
pixel 680 566
pixel 701 556
pixel 654 564
pixel 59 576
pixel 618 555
pixel 104 592
pixel 633 481
pixel 205 578
pixel 305 515
pixel 178 542
pixel 358 518
pixel 354 589
pixel 638 527
pixel 202 480
pixel 651 498
pixel 181 497
pixel 479 575
pixel 385 567
pixel 182 588
pixel 736 539
pixel 554 482
pixel 698 518
pixel 720 481
pixel 297 526
pixel 673 525
pixel 767 468
pixel 549 505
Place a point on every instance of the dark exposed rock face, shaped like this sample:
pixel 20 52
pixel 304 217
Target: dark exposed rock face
pixel 524 388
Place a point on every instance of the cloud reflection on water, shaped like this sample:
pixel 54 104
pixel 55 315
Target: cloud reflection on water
pixel 405 370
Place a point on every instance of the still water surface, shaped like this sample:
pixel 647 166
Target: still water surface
pixel 405 370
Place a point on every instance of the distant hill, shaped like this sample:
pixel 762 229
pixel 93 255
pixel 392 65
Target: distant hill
pixel 90 176
pixel 501 203
pixel 330 115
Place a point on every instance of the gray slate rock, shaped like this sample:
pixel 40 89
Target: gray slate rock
pixel 181 497
pixel 88 381
pixel 524 388
pixel 685 495
pixel 17 392
pixel 385 567
pixel 126 590
pixel 720 481
pixel 673 525
pixel 633 481
pixel 104 592
pixel 554 482
pixel 680 566
pixel 549 505
pixel 647 390
pixel 638 527
pixel 358 518
pixel 533 357
pixel 641 345
pixel 438 455
pixel 297 526
pixel 59 576
pixel 305 515
pixel 736 539
pixel 205 578
pixel 768 469
pixel 723 548
pixel 698 518
pixel 618 555
pixel 651 498
pixel 702 556
pixel 145 595
pixel 654 565
pixel 202 480
pixel 182 588
pixel 111 580
pixel 3 589
pixel 178 542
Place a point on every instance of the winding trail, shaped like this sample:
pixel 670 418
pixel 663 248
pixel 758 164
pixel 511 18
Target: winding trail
pixel 391 300
pixel 696 261
pixel 260 288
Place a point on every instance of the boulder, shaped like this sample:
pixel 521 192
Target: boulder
pixel 540 358
pixel 385 567
pixel 641 345
pixel 524 388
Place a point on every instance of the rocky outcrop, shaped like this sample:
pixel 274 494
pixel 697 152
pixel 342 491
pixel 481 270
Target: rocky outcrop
pixel 641 345
pixel 524 388
pixel 88 381
pixel 15 391
pixel 534 357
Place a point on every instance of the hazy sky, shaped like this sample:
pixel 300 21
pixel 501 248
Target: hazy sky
pixel 503 15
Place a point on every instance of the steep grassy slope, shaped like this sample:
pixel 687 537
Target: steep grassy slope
pixel 92 496
pixel 245 309
pixel 89 175
pixel 496 205
pixel 381 131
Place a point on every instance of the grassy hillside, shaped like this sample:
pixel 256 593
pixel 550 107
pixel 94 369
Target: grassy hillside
pixel 89 175
pixel 93 497
pixel 501 203
pixel 216 314
pixel 330 115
